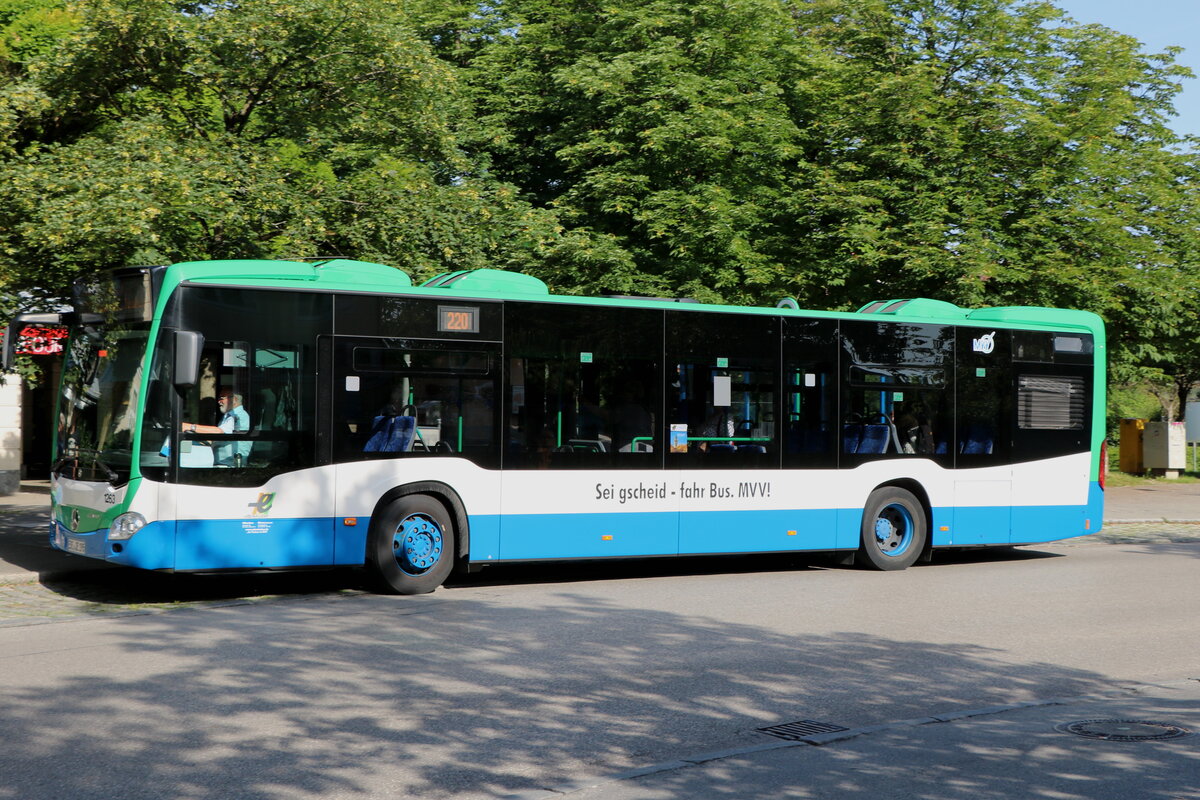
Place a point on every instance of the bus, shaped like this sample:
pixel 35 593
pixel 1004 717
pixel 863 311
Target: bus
pixel 269 415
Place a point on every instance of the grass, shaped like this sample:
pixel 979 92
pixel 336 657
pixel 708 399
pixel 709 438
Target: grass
pixel 1118 478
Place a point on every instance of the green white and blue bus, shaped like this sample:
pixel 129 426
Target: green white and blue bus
pixel 478 419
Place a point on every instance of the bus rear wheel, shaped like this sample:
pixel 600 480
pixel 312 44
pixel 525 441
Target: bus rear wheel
pixel 411 545
pixel 894 529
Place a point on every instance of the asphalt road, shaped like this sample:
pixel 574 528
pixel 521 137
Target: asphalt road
pixel 522 680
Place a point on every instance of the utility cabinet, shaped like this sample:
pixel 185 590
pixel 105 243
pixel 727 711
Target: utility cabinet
pixel 1164 447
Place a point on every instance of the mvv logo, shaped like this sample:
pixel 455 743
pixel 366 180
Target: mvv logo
pixel 984 344
pixel 262 506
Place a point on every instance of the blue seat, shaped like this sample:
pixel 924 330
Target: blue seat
pixel 391 434
pixel 874 439
pixel 717 447
pixel 977 441
pixel 751 448
pixel 851 436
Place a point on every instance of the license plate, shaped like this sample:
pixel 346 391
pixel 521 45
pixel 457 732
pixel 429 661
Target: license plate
pixel 77 546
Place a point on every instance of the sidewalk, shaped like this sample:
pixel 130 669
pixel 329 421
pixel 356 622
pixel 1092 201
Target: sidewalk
pixel 1020 751
pixel 1160 502
pixel 25 553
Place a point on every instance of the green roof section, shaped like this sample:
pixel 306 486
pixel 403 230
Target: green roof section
pixel 364 273
pixel 487 281
pixel 1051 317
pixel 916 307
pixel 242 269
pixel 342 274
pixel 328 274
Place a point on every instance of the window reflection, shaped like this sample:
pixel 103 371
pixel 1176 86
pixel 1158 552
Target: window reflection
pixel 583 388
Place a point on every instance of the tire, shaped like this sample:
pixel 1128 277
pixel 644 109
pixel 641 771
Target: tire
pixel 894 530
pixel 410 547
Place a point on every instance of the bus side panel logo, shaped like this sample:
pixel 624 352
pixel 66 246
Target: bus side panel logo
pixel 984 344
pixel 262 506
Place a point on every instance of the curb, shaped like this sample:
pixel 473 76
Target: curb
pixel 15 578
pixel 1157 521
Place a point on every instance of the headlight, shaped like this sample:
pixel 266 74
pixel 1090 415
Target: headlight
pixel 125 526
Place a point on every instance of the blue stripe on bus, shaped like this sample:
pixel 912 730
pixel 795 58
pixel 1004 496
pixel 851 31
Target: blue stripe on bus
pixel 254 542
pixel 1033 524
pixel 767 531
pixel 538 536
pixel 548 536
pixel 350 542
pixel 153 547
pixel 972 525
pixel 976 525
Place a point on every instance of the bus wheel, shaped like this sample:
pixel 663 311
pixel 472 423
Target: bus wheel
pixel 893 530
pixel 411 547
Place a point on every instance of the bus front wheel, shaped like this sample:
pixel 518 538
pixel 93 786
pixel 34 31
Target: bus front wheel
pixel 411 545
pixel 894 528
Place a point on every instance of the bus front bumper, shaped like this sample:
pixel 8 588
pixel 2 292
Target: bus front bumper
pixel 152 547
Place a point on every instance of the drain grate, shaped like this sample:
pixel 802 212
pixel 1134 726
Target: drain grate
pixel 799 731
pixel 1123 730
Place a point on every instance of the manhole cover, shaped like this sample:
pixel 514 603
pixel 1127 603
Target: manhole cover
pixel 1123 730
pixel 799 731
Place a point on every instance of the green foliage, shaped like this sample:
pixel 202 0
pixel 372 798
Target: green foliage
pixel 172 131
pixel 29 28
pixel 661 131
pixel 978 152
pixel 984 152
pixel 1131 401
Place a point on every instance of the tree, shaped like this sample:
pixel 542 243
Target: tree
pixel 665 132
pixel 29 28
pixel 985 152
pixel 1168 345
pixel 977 151
pixel 161 131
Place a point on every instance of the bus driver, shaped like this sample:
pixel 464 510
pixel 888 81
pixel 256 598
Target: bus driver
pixel 234 419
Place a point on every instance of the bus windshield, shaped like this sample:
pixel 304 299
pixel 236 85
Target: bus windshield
pixel 98 405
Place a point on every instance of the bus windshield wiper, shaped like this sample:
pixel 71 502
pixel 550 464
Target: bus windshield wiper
pixel 109 473
pixel 56 467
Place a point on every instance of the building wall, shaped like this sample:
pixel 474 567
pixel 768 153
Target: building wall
pixel 10 435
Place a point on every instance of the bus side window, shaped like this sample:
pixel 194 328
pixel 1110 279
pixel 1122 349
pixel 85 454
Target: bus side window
pixel 898 391
pixel 812 431
pixel 404 401
pixel 983 400
pixel 582 388
pixel 722 391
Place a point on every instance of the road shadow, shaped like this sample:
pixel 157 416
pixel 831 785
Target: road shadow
pixel 446 695
pixel 1189 548
pixel 989 555
pixel 123 586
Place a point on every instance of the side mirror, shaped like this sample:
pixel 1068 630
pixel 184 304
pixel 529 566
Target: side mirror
pixel 188 347
pixel 14 333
